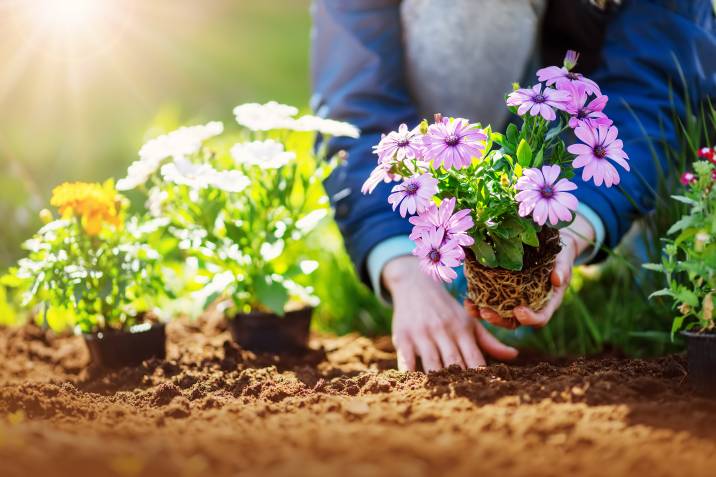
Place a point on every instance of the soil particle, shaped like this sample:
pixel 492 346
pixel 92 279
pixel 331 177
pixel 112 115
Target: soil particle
pixel 212 408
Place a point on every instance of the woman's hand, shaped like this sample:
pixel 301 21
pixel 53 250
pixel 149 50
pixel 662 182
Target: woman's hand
pixel 428 323
pixel 575 239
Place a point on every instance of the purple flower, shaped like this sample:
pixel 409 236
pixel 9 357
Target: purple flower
pixel 544 196
pixel 437 256
pixel 401 144
pixel 453 143
pixel 562 77
pixel 414 194
pixel 600 144
pixel 687 178
pixel 570 59
pixel 455 225
pixel 382 173
pixel 584 114
pixel 538 101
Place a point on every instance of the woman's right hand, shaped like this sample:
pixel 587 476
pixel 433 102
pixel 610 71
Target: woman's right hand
pixel 428 323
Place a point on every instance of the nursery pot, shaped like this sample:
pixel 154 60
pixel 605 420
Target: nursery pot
pixel 116 349
pixel 269 333
pixel 701 355
pixel 503 290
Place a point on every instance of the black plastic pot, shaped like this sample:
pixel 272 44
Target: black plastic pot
pixel 116 349
pixel 701 351
pixel 270 333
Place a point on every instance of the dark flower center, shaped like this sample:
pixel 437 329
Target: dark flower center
pixel 600 152
pixel 547 191
pixel 581 114
pixel 403 143
pixel 434 256
pixel 573 76
pixel 411 188
pixel 452 140
pixel 539 98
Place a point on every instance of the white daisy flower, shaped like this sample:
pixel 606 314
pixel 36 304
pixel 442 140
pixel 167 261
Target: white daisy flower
pixel 329 127
pixel 265 117
pixel 270 251
pixel 229 181
pixel 308 222
pixel 185 172
pixel 267 154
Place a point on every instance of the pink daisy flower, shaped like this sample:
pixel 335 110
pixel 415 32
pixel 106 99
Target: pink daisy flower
pixel 414 194
pixel 584 114
pixel 401 144
pixel 455 225
pixel 687 178
pixel 453 143
pixel 538 101
pixel 563 77
pixel 382 173
pixel 707 153
pixel 570 59
pixel 545 197
pixel 600 144
pixel 437 256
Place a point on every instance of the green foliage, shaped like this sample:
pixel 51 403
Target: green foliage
pixel 689 254
pixel 93 281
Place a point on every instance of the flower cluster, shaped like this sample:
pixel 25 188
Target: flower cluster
pixel 93 204
pixel 689 254
pixel 461 192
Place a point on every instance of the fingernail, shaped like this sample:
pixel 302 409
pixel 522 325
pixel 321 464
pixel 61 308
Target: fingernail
pixel 519 314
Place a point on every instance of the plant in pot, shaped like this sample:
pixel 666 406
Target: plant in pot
pixel 241 208
pixel 689 265
pixel 496 201
pixel 94 264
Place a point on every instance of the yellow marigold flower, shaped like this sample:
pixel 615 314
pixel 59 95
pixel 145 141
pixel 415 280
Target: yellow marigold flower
pixel 94 204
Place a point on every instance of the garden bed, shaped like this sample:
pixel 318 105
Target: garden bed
pixel 213 409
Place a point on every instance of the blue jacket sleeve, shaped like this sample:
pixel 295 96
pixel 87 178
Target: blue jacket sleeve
pixel 358 77
pixel 646 46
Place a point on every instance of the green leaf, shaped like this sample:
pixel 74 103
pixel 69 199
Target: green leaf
pixel 676 325
pixel 552 133
pixel 684 199
pixel 687 296
pixel 484 253
pixel 539 159
pixel 529 236
pixel 680 224
pixel 524 154
pixel 233 232
pixel 271 294
pixel 663 292
pixel 509 228
pixel 509 253
pixel 656 267
pixel 512 133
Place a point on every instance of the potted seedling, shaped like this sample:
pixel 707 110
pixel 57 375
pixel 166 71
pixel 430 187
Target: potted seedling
pixel 689 264
pixel 241 209
pixel 93 263
pixel 495 201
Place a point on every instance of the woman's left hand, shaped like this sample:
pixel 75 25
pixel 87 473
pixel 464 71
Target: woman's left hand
pixel 575 239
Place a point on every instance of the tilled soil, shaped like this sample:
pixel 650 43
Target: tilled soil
pixel 211 409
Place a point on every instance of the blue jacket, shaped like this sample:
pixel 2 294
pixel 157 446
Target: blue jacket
pixel 358 76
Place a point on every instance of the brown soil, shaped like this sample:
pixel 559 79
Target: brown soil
pixel 213 409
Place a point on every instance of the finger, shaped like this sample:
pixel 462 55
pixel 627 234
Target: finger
pixel 406 354
pixel 449 351
pixel 493 318
pixel 472 309
pixel 562 272
pixel 428 353
pixel 470 352
pixel 492 346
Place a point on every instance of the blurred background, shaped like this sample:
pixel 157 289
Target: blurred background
pixel 84 83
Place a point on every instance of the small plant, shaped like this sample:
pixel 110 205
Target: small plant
pixel 689 252
pixel 92 261
pixel 495 201
pixel 241 206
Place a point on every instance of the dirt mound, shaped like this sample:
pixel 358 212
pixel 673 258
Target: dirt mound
pixel 212 408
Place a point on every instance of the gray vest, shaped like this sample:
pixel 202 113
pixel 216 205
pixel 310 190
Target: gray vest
pixel 462 56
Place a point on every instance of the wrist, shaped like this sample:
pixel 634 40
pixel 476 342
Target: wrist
pixel 399 272
pixel 582 234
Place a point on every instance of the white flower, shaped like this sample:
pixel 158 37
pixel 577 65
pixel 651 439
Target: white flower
pixel 177 144
pixel 308 266
pixel 229 181
pixel 185 172
pixel 267 154
pixel 155 200
pixel 270 251
pixel 329 127
pixel 300 295
pixel 218 284
pixel 265 117
pixel 308 222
